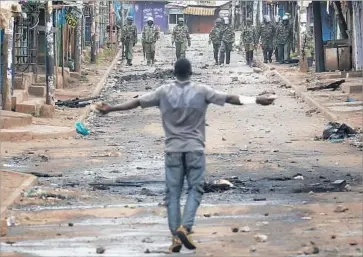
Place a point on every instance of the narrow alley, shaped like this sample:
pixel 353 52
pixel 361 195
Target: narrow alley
pixel 110 190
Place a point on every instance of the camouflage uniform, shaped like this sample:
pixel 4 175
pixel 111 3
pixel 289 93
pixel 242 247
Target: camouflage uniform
pixel 228 39
pixel 308 44
pixel 215 36
pixel 276 24
pixel 129 39
pixel 150 34
pixel 180 37
pixel 249 41
pixel 267 32
pixel 284 40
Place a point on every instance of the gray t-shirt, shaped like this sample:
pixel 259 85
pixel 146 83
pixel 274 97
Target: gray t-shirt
pixel 183 108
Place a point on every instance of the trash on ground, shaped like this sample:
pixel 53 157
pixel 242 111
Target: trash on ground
pixel 81 129
pixel 335 131
pixel 334 86
pixel 76 102
pixel 298 177
pixel 218 186
pixel 11 222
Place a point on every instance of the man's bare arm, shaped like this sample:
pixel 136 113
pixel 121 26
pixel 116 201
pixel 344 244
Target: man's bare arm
pixel 132 104
pixel 104 108
pixel 243 100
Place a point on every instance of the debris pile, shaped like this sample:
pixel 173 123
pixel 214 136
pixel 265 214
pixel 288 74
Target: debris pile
pixel 336 132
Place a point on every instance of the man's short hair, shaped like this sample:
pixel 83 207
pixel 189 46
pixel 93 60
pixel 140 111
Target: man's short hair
pixel 183 68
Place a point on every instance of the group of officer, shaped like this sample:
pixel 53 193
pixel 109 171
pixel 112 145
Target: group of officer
pixel 274 36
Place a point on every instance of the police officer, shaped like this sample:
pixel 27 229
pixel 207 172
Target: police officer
pixel 150 34
pixel 129 38
pixel 266 32
pixel 215 37
pixel 180 37
pixel 228 39
pixel 249 40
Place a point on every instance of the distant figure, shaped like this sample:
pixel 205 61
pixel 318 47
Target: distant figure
pixel 215 37
pixel 180 37
pixel 284 40
pixel 277 23
pixel 249 40
pixel 308 46
pixel 150 34
pixel 183 105
pixel 129 38
pixel 267 32
pixel 228 39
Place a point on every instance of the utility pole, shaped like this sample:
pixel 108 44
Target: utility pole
pixel 233 15
pixel 318 34
pixel 78 47
pixel 49 58
pixel 8 63
pixel 93 33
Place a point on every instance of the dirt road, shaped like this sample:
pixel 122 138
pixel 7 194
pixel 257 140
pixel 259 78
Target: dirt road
pixel 108 189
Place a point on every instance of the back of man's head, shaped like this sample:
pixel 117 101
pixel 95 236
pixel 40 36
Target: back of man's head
pixel 183 68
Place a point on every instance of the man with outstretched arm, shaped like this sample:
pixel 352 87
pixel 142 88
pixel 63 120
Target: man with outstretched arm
pixel 183 105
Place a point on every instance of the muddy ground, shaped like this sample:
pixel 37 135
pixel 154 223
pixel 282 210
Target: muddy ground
pixel 109 185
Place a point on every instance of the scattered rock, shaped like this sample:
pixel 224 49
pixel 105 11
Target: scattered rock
pixel 257 70
pixel 260 238
pixel 306 218
pixel 235 230
pixel 313 249
pixel 234 78
pixel 253 249
pixel 352 243
pixel 272 68
pixel 340 208
pixel 147 251
pixel 70 224
pixel 148 88
pixel 100 250
pixel 259 199
pixel 266 214
pixel 223 139
pixel 245 229
pixel 299 177
pixel 207 215
pixel 348 187
pixel 333 236
pixel 147 240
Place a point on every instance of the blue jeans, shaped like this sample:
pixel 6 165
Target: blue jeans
pixel 177 166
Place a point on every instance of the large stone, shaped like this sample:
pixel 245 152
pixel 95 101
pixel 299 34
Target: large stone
pixel 47 111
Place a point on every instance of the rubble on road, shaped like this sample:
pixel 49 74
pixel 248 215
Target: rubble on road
pixel 336 132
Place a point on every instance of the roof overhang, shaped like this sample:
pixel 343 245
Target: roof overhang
pixel 200 11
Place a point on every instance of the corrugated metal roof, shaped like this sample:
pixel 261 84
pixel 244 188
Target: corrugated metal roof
pixel 199 11
pixel 199 3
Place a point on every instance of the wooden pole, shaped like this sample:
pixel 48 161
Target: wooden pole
pixel 78 44
pixel 49 59
pixel 93 34
pixel 319 49
pixel 8 64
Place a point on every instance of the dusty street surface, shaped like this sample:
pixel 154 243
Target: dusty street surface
pixel 107 187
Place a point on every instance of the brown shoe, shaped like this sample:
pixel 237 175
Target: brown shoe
pixel 176 245
pixel 185 238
